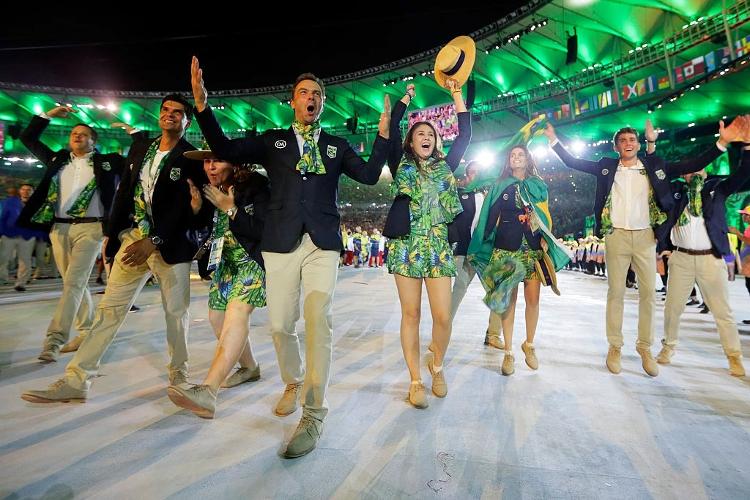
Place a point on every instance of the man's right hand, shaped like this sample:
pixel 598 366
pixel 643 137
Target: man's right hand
pixel 199 89
pixel 60 112
pixel 549 132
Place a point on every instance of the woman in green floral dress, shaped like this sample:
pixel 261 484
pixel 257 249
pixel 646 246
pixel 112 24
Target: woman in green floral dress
pixel 238 283
pixel 425 174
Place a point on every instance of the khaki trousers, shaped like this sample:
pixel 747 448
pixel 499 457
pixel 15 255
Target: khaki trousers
pixel 75 247
pixel 125 282
pixel 623 248
pixel 315 270
pixel 710 274
pixel 23 249
pixel 465 273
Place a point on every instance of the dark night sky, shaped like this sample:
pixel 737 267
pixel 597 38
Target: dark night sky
pixel 152 52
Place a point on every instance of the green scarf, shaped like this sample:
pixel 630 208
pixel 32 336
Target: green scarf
pixel 46 213
pixel 695 202
pixel 141 217
pixel 534 191
pixel 310 162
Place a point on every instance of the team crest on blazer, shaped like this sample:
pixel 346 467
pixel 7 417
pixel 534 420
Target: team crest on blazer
pixel 661 175
pixel 250 209
pixel 106 166
pixel 174 174
pixel 280 144
pixel 605 171
pixel 331 151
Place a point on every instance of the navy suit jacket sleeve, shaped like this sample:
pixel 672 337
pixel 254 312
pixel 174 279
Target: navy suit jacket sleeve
pixel 247 150
pixel 396 148
pixel 691 164
pixel 739 178
pixel 30 137
pixel 461 144
pixel 588 166
pixel 366 172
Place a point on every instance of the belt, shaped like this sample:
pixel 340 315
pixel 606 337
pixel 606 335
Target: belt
pixel 79 220
pixel 694 252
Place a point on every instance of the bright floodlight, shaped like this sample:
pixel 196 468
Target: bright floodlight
pixel 578 147
pixel 540 152
pixel 485 158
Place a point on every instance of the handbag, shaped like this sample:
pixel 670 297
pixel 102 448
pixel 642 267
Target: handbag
pixel 545 270
pixel 398 223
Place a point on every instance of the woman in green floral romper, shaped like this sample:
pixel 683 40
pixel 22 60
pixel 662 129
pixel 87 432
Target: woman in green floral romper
pixel 238 283
pixel 424 174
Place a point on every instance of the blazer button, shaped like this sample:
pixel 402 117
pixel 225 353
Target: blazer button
pixel 302 200
pixel 304 178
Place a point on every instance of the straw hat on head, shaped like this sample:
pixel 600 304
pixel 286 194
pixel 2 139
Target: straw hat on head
pixel 455 60
pixel 199 154
pixel 745 210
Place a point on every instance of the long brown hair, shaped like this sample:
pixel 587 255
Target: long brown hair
pixel 437 153
pixel 531 170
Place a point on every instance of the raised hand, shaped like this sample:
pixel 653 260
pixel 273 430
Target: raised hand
pixel 650 133
pixel 200 95
pixel 196 200
pixel 222 201
pixel 60 112
pixel 549 132
pixel 385 118
pixel 123 125
pixel 734 132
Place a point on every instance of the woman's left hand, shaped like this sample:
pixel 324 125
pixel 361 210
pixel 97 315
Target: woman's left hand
pixel 544 245
pixel 222 201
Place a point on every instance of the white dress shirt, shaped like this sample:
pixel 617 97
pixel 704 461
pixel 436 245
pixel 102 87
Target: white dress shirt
pixel 74 177
pixel 629 209
pixel 149 176
pixel 693 235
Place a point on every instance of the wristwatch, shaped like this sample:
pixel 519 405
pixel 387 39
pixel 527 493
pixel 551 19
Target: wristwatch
pixel 156 240
pixel 231 212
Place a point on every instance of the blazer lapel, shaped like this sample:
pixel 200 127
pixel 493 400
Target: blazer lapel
pixel 291 151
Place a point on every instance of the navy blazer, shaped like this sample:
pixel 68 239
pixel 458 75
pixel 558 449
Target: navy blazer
pixel 173 219
pixel 107 171
pixel 504 214
pixel 459 231
pixel 659 172
pixel 299 203
pixel 714 195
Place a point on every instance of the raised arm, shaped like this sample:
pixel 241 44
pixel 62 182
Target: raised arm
pixel 248 150
pixel 727 135
pixel 31 135
pixel 570 161
pixel 461 144
pixel 368 172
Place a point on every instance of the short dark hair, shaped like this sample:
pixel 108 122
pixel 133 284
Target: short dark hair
pixel 25 184
pixel 182 100
pixel 624 130
pixel 93 132
pixel 309 76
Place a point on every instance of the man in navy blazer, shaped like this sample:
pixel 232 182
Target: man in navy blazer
pixel 301 237
pixel 155 213
pixel 696 235
pixel 76 239
pixel 632 197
